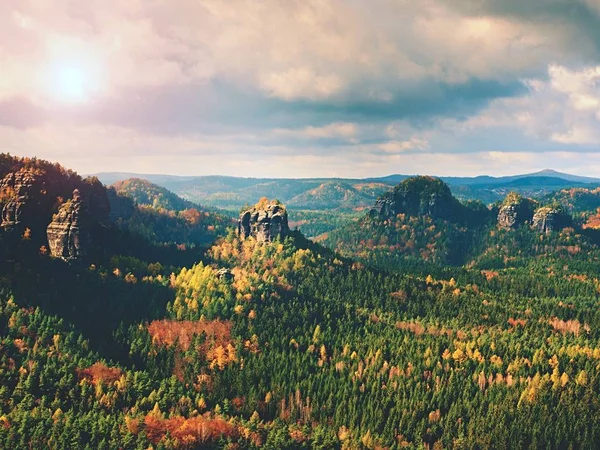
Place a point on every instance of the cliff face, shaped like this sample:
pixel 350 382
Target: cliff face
pixel 508 217
pixel 547 220
pixel 265 222
pixel 30 191
pixel 69 235
pixel 515 211
pixel 18 190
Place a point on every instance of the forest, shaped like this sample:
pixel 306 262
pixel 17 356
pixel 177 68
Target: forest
pixel 424 322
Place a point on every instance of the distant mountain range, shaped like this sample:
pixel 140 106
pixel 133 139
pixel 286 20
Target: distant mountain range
pixel 488 180
pixel 344 194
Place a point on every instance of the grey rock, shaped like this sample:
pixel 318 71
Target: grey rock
pixel 547 220
pixel 264 223
pixel 508 217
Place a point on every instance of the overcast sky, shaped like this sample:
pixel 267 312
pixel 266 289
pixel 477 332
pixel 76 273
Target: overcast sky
pixel 298 88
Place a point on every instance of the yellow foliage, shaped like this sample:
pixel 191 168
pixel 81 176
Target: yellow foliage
pixel 459 356
pixel 582 378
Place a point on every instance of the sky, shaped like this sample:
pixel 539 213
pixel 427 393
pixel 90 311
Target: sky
pixel 303 88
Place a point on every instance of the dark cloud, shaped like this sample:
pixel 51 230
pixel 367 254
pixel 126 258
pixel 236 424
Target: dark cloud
pixel 578 19
pixel 217 106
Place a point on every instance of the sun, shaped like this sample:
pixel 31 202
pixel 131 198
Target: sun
pixel 72 80
pixel 70 83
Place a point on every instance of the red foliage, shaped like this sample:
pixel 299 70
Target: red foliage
pixel 190 433
pixel 167 332
pixel 99 373
pixel 238 403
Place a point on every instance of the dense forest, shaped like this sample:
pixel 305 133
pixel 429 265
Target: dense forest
pixel 424 322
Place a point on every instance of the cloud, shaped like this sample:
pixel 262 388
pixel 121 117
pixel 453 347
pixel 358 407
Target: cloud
pixel 300 83
pixel 301 80
pixel 414 143
pixel 564 109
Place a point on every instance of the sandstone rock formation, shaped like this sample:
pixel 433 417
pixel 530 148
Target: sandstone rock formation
pixel 515 211
pixel 547 220
pixel 69 232
pixel 17 190
pixel 417 196
pixel 266 222
pixel 508 217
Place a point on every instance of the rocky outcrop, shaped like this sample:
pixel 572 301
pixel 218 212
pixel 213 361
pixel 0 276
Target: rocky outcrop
pixel 265 222
pixel 418 196
pixel 508 217
pixel 69 232
pixel 547 220
pixel 225 274
pixel 515 211
pixel 17 189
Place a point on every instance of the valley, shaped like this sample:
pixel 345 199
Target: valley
pixel 133 318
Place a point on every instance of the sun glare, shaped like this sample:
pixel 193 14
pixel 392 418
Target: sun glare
pixel 70 83
pixel 75 80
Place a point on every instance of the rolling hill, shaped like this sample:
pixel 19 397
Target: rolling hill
pixel 346 194
pixel 437 326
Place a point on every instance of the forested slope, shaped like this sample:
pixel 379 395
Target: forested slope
pixel 283 344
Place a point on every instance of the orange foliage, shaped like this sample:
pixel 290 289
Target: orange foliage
pixel 189 433
pixel 400 295
pixel 20 344
pixel 192 216
pixel 489 274
pixel 517 322
pixel 568 326
pixel 414 327
pixel 100 373
pixel 582 278
pixel 167 332
pixel 593 222
pixel 418 329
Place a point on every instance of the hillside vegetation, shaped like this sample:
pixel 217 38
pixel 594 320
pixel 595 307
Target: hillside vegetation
pixel 439 326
